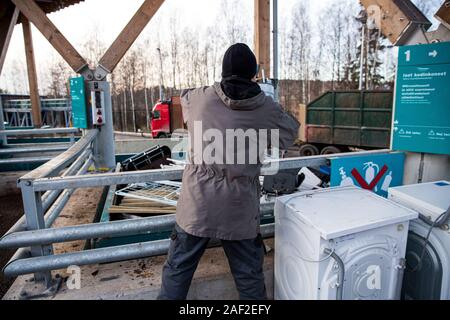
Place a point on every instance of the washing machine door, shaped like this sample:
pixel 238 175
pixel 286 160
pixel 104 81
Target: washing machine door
pixel 423 277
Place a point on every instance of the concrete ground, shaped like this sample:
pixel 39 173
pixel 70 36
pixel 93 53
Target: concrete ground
pixel 141 279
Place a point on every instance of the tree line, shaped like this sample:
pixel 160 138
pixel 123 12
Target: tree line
pixel 332 49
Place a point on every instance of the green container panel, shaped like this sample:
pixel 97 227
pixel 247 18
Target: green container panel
pixel 320 117
pixel 344 136
pixel 378 100
pixel 373 119
pixel 317 134
pixel 347 118
pixel 352 118
pixel 324 101
pixel 375 138
pixel 347 100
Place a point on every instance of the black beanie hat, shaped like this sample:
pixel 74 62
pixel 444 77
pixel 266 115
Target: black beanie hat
pixel 239 61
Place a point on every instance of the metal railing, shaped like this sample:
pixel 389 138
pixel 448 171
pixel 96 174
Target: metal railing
pixel 42 209
pixel 17 112
pixel 35 237
pixel 12 149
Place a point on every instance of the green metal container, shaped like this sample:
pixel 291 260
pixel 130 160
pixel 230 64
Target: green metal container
pixel 350 118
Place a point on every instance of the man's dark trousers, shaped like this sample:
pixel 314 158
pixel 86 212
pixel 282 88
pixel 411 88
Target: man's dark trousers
pixel 244 256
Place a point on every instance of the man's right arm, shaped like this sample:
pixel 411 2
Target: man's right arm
pixel 288 127
pixel 184 99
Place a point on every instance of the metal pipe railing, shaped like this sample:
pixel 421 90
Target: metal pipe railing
pixel 87 231
pixel 50 196
pixel 95 256
pixel 106 179
pixel 63 160
pixel 54 211
pixel 41 180
pixel 25 160
pixel 35 132
pixel 9 151
pixel 95 230
pixel 157 224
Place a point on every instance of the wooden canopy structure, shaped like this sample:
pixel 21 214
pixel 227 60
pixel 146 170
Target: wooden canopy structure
pixel 35 11
pixel 13 12
pixel 398 19
pixel 10 16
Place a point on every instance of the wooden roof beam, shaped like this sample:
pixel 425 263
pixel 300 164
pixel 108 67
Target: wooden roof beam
pixel 37 16
pixel 6 30
pixel 443 15
pixel 32 74
pixel 127 37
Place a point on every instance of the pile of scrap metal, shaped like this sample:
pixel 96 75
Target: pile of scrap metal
pixel 149 159
pixel 150 198
pixel 160 197
pixel 294 180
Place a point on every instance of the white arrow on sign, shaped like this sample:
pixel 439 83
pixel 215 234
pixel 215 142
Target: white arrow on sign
pixel 433 54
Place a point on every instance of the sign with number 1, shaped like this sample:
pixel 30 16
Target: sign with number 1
pixel 422 99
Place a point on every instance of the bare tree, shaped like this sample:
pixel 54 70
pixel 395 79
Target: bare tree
pixel 174 47
pixel 59 76
pixel 93 47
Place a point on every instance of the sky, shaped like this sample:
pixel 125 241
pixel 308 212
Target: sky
pixel 79 20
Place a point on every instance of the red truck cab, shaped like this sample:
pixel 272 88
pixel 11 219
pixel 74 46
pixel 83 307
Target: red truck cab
pixel 160 122
pixel 166 117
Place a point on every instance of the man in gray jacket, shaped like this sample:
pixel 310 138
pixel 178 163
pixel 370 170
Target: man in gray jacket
pixel 220 195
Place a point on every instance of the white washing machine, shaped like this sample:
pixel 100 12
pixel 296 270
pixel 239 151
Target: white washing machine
pixel 427 274
pixel 321 234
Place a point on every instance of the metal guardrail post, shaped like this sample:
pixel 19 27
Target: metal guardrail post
pixel 35 220
pixel 3 137
pixel 104 147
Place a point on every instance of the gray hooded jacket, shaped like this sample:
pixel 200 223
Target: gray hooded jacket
pixel 220 200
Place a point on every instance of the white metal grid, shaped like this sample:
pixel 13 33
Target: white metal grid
pixel 165 192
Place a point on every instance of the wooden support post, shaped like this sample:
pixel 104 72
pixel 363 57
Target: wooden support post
pixel 7 24
pixel 32 75
pixel 129 34
pixel 443 15
pixel 262 35
pixel 34 13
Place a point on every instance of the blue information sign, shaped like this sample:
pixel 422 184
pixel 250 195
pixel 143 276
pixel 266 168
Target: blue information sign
pixel 422 99
pixel 78 96
pixel 376 172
